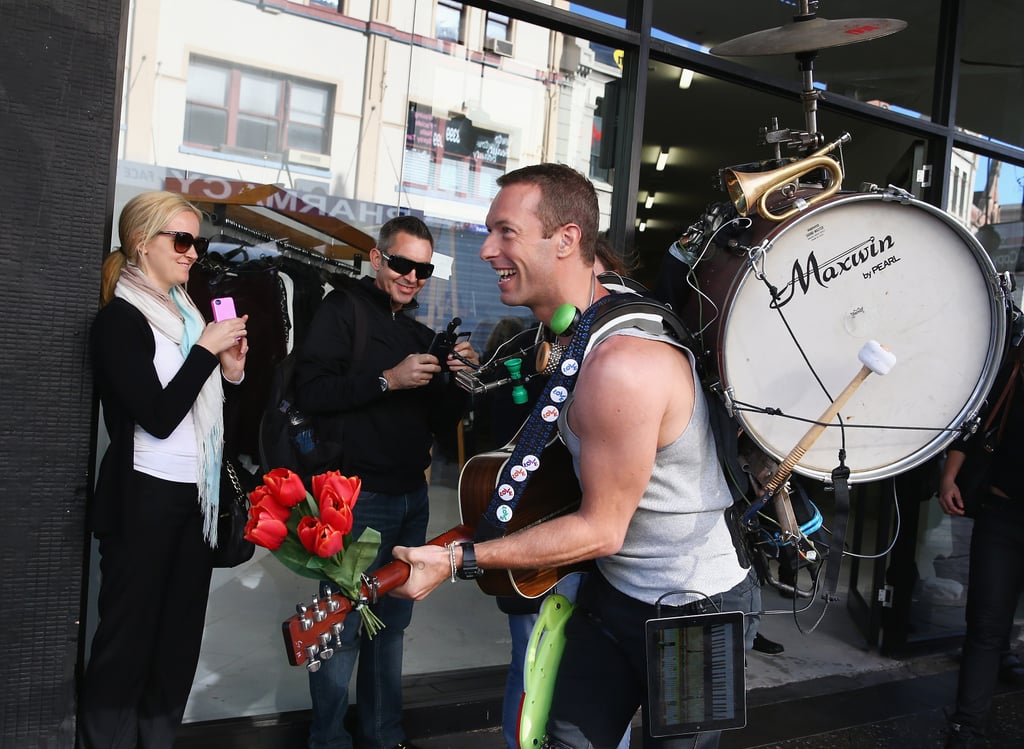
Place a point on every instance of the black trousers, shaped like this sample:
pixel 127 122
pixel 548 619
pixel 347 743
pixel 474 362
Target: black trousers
pixel 994 583
pixel 155 581
pixel 602 677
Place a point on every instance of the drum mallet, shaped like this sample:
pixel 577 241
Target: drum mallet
pixel 873 358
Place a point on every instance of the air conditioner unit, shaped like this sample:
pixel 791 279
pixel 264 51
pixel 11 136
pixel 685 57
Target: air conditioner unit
pixel 501 47
pixel 308 158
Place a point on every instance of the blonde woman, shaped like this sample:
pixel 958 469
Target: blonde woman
pixel 159 371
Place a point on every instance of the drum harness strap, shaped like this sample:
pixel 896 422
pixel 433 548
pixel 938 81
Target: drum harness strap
pixel 841 490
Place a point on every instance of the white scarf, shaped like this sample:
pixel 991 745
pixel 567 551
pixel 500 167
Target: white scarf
pixel 178 318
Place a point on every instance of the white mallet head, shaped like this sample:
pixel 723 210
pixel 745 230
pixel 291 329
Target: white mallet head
pixel 879 360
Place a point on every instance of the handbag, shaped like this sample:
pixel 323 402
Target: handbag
pixel 232 547
pixel 973 478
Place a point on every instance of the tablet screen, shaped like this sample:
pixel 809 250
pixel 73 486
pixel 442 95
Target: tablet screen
pixel 695 674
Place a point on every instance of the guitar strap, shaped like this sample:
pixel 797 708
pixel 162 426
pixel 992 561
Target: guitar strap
pixel 536 431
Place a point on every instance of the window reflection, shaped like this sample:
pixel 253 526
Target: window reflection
pixel 235 107
pixel 449 21
pixel 990 97
pixel 991 193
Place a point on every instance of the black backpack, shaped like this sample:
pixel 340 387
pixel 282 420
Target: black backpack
pixel 287 436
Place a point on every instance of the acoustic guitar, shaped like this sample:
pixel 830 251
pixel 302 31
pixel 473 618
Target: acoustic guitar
pixel 552 491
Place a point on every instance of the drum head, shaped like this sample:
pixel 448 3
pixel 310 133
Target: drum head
pixel 848 270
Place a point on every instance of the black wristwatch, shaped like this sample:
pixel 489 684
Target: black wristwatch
pixel 469 570
pixel 383 383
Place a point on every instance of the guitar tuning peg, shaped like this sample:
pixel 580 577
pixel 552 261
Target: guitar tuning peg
pixel 318 613
pixel 305 622
pixel 336 629
pixel 311 653
pixel 316 601
pixel 328 591
pixel 312 666
pixel 325 650
pixel 333 605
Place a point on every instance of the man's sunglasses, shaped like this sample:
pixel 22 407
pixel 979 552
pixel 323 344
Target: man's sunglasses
pixel 183 242
pixel 402 266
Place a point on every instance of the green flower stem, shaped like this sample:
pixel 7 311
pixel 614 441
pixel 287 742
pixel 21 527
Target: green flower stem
pixel 371 622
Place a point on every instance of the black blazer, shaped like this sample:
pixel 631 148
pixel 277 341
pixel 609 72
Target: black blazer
pixel 122 347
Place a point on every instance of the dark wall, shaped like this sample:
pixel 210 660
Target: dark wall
pixel 59 108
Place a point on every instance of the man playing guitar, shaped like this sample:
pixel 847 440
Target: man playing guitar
pixel 653 508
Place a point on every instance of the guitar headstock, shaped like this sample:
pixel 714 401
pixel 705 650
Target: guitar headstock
pixel 313 634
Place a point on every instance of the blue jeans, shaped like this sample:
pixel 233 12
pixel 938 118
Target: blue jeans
pixel 402 521
pixel 602 678
pixel 994 583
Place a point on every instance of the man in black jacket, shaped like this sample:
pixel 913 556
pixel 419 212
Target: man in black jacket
pixel 384 404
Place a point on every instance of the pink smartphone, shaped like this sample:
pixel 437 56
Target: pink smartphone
pixel 223 308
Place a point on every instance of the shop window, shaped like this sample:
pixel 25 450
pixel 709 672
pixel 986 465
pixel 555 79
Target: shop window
pixel 497 27
pixel 255 110
pixel 450 21
pixel 452 156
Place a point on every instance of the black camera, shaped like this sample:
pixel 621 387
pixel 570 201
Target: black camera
pixel 444 342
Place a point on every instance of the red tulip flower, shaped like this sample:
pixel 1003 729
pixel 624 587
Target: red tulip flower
pixel 263 498
pixel 319 538
pixel 286 486
pixel 264 529
pixel 340 488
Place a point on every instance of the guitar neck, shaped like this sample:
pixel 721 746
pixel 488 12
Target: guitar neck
pixel 316 630
pixel 395 573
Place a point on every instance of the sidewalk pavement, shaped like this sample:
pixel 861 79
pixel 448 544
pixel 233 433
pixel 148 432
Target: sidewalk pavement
pixel 902 708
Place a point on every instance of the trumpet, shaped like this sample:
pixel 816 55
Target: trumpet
pixel 752 189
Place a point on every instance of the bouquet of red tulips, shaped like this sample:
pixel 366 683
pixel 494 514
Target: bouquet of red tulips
pixel 310 534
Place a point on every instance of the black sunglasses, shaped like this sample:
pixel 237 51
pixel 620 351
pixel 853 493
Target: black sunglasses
pixel 183 242
pixel 402 266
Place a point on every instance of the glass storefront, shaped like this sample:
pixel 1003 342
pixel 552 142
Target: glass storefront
pixel 990 88
pixel 311 123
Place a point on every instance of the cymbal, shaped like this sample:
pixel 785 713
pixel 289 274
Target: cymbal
pixel 808 35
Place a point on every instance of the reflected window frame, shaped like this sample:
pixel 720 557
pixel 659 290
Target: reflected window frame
pixel 277 117
pixel 450 21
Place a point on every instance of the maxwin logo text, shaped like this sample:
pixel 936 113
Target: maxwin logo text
pixel 865 257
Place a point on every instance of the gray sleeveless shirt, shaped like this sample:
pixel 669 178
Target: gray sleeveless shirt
pixel 678 538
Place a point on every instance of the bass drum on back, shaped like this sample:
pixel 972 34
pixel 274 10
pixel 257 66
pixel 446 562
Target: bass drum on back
pixel 780 311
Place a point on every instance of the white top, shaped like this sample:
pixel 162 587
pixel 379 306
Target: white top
pixel 175 458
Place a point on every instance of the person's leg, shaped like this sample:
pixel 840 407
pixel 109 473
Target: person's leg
pixel 179 635
pixel 599 688
pixel 328 689
pixel 134 565
pixel 745 597
pixel 996 560
pixel 402 521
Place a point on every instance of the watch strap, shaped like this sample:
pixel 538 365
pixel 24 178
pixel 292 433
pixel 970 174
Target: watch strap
pixel 469 570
